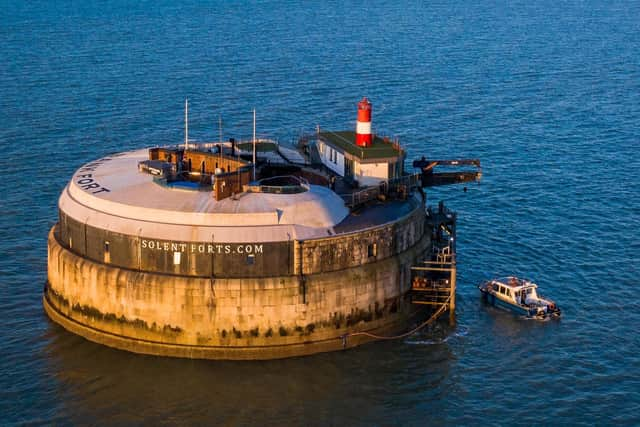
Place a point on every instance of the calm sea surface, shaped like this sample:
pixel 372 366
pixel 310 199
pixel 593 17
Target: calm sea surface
pixel 546 93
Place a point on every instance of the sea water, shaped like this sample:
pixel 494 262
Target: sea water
pixel 545 93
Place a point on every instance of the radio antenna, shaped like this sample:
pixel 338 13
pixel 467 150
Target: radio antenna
pixel 186 124
pixel 254 144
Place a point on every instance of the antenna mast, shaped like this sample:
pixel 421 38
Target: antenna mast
pixel 254 144
pixel 186 124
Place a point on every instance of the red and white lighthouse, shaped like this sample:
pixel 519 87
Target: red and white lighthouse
pixel 363 126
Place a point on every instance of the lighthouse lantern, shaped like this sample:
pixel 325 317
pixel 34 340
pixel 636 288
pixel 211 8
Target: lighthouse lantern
pixel 363 125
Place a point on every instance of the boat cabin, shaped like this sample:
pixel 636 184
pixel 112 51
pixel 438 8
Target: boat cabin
pixel 515 290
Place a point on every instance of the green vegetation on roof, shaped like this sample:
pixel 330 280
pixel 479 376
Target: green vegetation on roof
pixel 346 141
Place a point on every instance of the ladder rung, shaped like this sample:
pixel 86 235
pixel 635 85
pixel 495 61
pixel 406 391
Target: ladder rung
pixel 431 290
pixel 432 269
pixel 427 302
pixel 430 298
pixel 439 262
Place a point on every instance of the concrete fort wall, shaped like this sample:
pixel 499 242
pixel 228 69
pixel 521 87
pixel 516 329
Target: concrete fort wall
pixel 185 258
pixel 241 260
pixel 368 246
pixel 237 318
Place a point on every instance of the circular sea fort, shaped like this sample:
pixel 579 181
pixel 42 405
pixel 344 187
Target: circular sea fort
pixel 143 263
pixel 251 251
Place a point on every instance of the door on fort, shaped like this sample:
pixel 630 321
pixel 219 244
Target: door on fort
pixel 348 168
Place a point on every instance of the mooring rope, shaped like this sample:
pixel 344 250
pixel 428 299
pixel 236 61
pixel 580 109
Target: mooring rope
pixel 397 337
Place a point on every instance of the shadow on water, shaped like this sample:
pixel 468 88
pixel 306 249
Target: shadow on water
pixel 361 385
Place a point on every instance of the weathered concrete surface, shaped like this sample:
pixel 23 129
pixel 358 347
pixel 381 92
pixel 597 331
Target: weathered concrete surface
pixel 372 241
pixel 257 318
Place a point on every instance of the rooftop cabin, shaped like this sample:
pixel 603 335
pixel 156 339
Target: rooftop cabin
pixel 382 160
pixel 361 157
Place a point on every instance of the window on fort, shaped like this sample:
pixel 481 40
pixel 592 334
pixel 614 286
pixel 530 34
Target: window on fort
pixel 251 259
pixel 372 250
pixel 106 255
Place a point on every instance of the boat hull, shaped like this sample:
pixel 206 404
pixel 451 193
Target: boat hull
pixel 497 302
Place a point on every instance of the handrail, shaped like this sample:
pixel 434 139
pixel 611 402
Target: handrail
pixel 302 186
pixel 281 189
pixel 300 179
pixel 372 192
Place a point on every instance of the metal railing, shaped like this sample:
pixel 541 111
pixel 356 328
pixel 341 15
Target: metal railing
pixel 363 196
pixel 301 186
pixel 198 181
pixel 396 185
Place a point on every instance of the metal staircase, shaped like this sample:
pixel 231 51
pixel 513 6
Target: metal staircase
pixel 433 282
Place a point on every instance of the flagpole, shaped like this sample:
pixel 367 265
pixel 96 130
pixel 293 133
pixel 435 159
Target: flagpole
pixel 186 124
pixel 254 144
pixel 221 145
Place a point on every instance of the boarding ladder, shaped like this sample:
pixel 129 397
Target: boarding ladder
pixel 433 281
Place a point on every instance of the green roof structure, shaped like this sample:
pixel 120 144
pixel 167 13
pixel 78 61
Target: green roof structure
pixel 345 141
